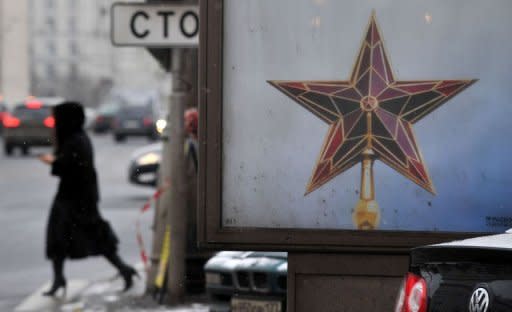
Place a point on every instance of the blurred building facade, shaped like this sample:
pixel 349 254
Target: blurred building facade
pixel 71 54
pixel 14 58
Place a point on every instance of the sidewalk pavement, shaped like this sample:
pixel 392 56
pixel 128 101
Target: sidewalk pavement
pixel 105 295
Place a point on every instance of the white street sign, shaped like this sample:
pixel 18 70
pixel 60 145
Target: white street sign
pixel 154 25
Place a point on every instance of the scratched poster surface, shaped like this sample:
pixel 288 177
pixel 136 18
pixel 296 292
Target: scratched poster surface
pixel 367 114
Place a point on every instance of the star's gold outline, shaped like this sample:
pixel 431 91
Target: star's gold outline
pixel 404 119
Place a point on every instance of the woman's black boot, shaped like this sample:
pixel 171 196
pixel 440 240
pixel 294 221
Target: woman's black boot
pixel 126 271
pixel 58 277
pixel 57 284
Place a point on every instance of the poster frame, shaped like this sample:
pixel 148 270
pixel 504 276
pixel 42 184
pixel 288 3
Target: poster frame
pixel 211 232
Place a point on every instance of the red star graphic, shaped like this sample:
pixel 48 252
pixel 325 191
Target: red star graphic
pixel 371 111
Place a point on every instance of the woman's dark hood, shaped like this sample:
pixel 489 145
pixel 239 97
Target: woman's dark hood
pixel 69 120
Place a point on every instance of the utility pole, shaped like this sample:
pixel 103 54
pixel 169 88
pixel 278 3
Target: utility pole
pixel 177 214
pixel 171 207
pixel 172 210
pixel 170 32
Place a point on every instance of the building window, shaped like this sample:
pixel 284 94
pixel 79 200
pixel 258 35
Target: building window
pixel 73 48
pixel 103 11
pixel 52 51
pixel 50 70
pixel 50 23
pixel 72 25
pixel 73 70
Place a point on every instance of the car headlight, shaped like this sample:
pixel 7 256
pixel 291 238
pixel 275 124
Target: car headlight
pixel 212 278
pixel 149 159
pixel 283 268
pixel 160 125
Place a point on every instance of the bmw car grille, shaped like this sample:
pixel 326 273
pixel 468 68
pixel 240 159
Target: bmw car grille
pixel 243 280
pixel 255 281
pixel 260 281
pixel 226 279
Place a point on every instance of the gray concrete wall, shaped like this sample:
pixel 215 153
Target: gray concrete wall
pixel 14 60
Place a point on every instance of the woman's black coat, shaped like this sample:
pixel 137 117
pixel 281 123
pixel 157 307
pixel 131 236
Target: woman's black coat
pixel 75 226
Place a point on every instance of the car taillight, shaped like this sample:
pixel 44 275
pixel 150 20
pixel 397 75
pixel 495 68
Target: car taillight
pixel 413 295
pixel 49 122
pixel 10 121
pixel 148 121
pixel 33 104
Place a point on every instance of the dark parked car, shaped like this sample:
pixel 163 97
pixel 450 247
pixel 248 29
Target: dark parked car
pixel 29 124
pixel 144 164
pixel 252 280
pixel 134 120
pixel 104 116
pixel 472 275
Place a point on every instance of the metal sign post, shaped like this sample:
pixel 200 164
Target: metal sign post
pixel 168 30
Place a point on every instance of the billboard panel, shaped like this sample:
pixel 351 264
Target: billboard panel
pixel 364 115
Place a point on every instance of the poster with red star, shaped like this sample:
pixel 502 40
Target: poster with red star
pixel 366 115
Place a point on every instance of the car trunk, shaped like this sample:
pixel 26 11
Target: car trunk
pixel 31 122
pixel 454 273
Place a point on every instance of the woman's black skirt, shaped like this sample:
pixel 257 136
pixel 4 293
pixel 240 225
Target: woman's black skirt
pixel 77 230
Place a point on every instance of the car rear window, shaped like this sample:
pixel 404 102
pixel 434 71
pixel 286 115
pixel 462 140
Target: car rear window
pixel 108 109
pixel 136 111
pixel 24 112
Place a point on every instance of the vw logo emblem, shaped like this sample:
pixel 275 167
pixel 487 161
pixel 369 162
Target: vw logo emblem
pixel 479 300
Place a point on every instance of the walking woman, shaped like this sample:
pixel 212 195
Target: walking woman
pixel 75 227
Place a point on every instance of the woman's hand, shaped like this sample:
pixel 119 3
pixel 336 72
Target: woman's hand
pixel 47 158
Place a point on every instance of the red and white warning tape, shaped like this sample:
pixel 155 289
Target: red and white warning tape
pixel 147 205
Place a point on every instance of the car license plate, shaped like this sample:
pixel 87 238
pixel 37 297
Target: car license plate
pixel 131 124
pixel 250 305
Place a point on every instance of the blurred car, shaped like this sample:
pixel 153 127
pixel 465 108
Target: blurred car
pixel 28 124
pixel 472 275
pixel 134 120
pixel 252 280
pixel 161 124
pixel 3 112
pixel 104 116
pixel 90 117
pixel 144 164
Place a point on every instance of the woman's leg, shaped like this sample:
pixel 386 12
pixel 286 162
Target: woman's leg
pixel 58 268
pixel 116 261
pixel 126 271
pixel 58 276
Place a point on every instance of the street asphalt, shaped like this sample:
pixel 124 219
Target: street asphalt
pixel 27 189
pixel 105 295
